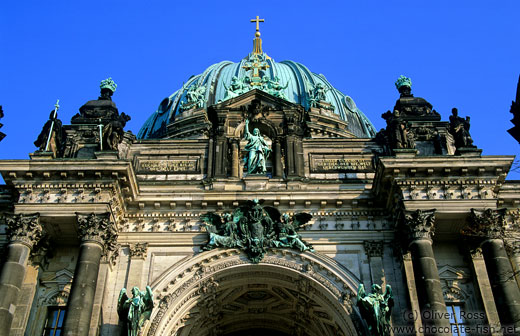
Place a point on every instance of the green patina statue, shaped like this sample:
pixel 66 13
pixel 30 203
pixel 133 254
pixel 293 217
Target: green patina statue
pixel 317 97
pixel 258 151
pixel 136 310
pixel 254 228
pixel 376 309
pixel 237 87
pixel 273 87
pixel 194 98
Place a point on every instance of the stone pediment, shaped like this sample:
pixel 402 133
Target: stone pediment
pixel 265 99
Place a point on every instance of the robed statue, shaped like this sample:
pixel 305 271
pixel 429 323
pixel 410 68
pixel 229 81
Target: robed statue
pixel 136 310
pixel 376 309
pixel 113 132
pixel 258 151
pixel 52 136
pixel 459 128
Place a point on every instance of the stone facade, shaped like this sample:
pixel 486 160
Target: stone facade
pixel 437 222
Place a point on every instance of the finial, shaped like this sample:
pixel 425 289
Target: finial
pixel 404 86
pixel 403 81
pixel 57 106
pixel 108 84
pixel 257 20
pixel 257 42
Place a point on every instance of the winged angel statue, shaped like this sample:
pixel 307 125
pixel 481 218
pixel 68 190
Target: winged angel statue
pixel 136 310
pixel 255 228
pixel 376 308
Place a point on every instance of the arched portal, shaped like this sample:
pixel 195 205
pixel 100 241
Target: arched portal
pixel 220 292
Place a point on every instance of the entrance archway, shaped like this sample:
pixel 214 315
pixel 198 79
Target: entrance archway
pixel 220 293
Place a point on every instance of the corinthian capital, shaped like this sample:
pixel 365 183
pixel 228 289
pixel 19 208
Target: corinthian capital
pixel 24 228
pixel 419 224
pixel 486 223
pixel 97 228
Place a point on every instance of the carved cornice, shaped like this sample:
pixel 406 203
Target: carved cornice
pixel 486 223
pixel 97 228
pixel 418 224
pixel 373 248
pixel 24 228
pixel 138 250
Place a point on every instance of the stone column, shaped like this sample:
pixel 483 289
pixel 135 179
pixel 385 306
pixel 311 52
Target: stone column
pixel 97 235
pixel 419 225
pixel 209 171
pixel 488 226
pixel 23 232
pixel 234 158
pixel 374 251
pixel 514 250
pixel 278 166
pixel 289 156
pixel 138 253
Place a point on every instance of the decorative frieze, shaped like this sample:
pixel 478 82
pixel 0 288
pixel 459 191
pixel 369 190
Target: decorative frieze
pixel 488 223
pixel 447 189
pixel 24 228
pixel 97 228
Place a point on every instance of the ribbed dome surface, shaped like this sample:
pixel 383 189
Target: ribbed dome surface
pixel 301 82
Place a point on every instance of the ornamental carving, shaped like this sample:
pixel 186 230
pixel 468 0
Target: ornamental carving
pixel 255 228
pixel 24 228
pixel 98 228
pixel 138 250
pixel 486 223
pixel 419 224
pixel 373 248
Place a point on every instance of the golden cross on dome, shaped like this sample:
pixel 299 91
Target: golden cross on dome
pixel 257 20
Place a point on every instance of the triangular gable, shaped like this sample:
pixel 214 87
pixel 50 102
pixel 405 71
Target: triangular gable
pixel 265 98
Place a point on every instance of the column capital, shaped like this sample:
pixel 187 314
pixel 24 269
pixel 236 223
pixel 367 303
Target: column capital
pixel 487 223
pixel 97 228
pixel 419 224
pixel 24 228
pixel 373 248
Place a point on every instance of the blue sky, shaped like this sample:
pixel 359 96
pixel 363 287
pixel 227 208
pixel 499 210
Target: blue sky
pixel 463 54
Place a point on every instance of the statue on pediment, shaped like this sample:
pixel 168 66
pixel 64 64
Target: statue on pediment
pixel 258 151
pixel 255 228
pixel 459 128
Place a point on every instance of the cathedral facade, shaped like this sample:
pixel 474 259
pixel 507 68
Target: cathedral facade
pixel 414 206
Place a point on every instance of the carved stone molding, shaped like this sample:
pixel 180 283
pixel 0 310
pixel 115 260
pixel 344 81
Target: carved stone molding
pixel 373 248
pixel 24 228
pixel 487 224
pixel 97 228
pixel 419 224
pixel 476 253
pixel 204 277
pixel 138 250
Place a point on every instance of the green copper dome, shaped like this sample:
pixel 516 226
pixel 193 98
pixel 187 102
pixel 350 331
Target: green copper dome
pixel 297 81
